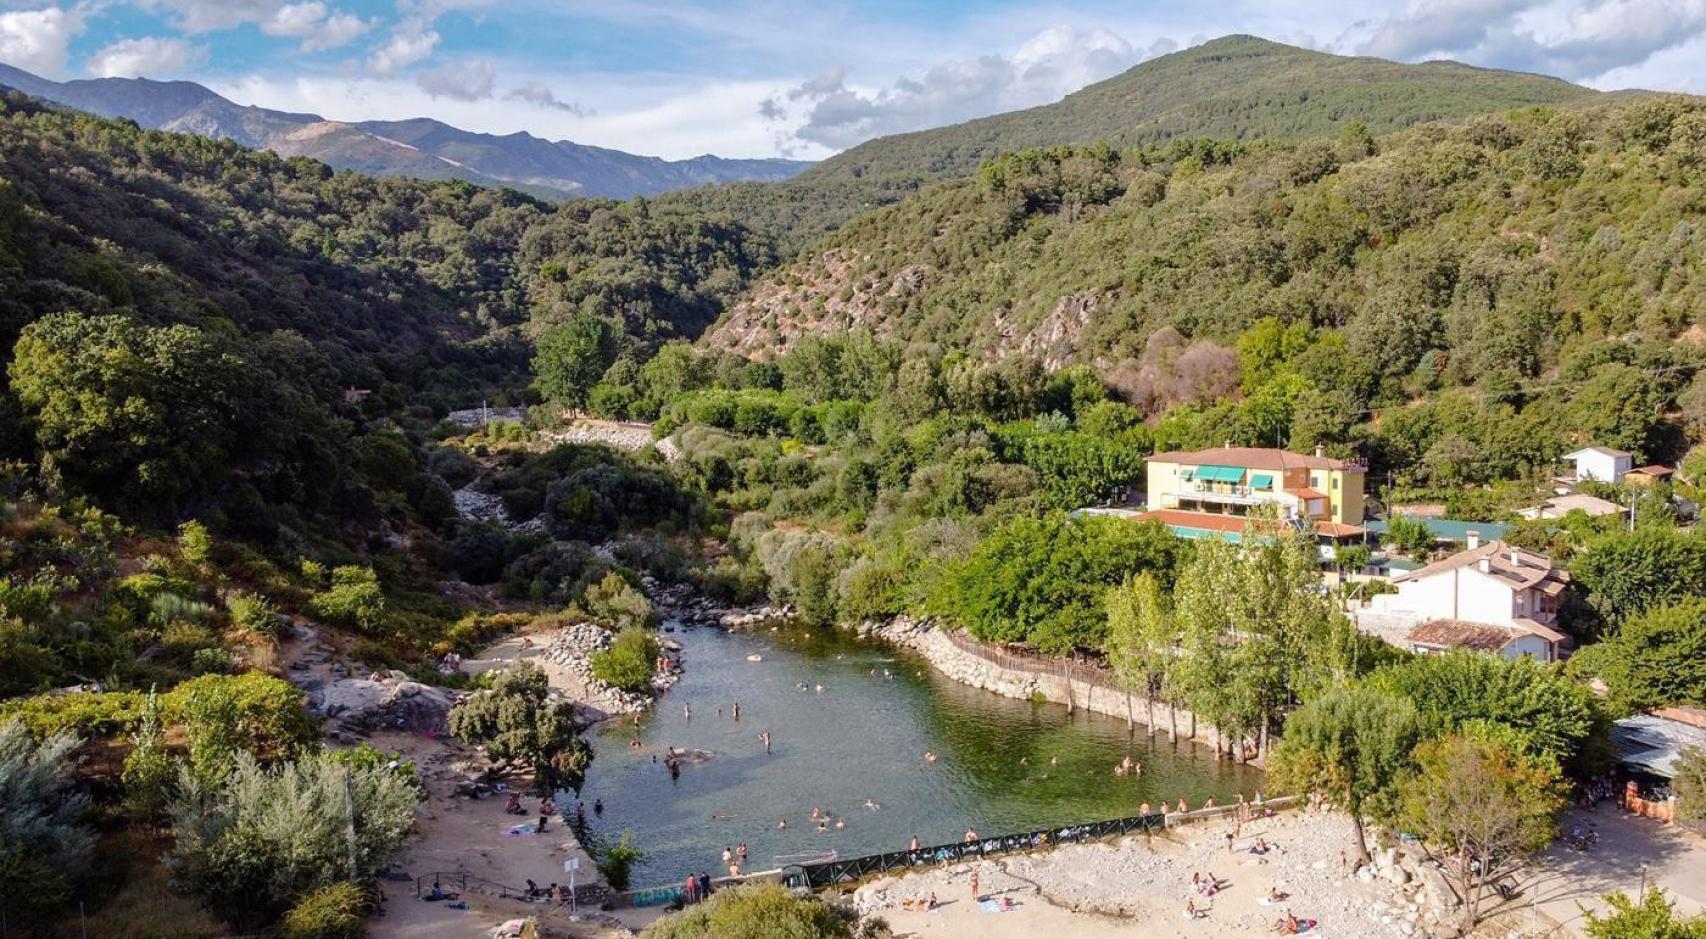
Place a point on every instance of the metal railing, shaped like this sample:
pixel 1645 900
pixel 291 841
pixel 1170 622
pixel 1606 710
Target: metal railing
pixel 830 873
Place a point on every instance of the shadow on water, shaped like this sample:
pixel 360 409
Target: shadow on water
pixel 863 737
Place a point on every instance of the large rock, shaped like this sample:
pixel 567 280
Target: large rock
pixel 384 701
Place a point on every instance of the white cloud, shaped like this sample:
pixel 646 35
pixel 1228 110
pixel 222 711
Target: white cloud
pixel 410 42
pixel 318 26
pixel 471 80
pixel 1052 63
pixel 148 56
pixel 37 40
pixel 1576 39
pixel 537 92
pixel 205 16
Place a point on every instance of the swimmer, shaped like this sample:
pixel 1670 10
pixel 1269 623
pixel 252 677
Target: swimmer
pixel 817 813
pixel 872 805
pixel 801 686
pixel 913 845
pixel 687 711
pixel 841 823
pixel 1054 761
pixel 818 688
pixel 929 756
pixel 736 711
pixel 782 824
pixel 765 736
pixel 1024 761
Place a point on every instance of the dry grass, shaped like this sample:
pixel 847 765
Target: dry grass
pixel 144 906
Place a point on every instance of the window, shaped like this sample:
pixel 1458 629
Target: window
pixel 1335 482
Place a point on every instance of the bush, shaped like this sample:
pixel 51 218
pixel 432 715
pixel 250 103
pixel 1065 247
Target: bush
pixel 516 721
pixel 252 612
pixel 617 861
pixel 754 911
pixel 354 599
pixel 249 845
pixel 629 662
pixel 331 912
pixel 619 604
pixel 43 843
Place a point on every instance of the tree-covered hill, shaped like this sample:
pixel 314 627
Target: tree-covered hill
pixel 1484 252
pixel 1234 87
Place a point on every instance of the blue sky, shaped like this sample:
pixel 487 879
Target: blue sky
pixel 758 78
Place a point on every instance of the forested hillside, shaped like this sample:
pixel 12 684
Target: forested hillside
pixel 1485 253
pixel 1231 88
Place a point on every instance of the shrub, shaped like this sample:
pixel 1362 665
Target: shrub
pixel 619 604
pixel 43 844
pixel 629 662
pixel 330 912
pixel 754 911
pixel 252 612
pixel 354 599
pixel 250 844
pixel 516 721
pixel 617 861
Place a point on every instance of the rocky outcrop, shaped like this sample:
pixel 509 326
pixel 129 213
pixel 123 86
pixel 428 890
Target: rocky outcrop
pixel 387 700
pixel 572 648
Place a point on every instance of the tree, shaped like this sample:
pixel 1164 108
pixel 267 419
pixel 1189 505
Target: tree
pixel 1142 639
pixel 629 662
pixel 1487 805
pixel 516 721
pixel 44 845
pixel 1410 535
pixel 1651 917
pixel 1690 785
pixel 754 911
pixel 1552 718
pixel 619 604
pixel 1352 743
pixel 1657 658
pixel 150 773
pixel 353 599
pixel 571 357
pixel 254 843
pixel 1627 571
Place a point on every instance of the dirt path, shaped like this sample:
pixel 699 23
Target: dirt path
pixel 1631 851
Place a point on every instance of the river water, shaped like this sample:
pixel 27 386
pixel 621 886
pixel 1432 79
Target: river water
pixel 863 737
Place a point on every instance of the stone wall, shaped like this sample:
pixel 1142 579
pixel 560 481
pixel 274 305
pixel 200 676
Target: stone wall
pixel 969 668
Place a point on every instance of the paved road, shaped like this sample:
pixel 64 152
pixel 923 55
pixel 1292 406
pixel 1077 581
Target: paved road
pixel 1630 851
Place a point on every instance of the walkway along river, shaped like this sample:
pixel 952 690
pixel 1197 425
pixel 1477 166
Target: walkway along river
pixel 1001 765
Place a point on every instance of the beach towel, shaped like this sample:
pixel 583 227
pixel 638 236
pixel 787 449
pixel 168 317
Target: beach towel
pixel 993 906
pixel 518 830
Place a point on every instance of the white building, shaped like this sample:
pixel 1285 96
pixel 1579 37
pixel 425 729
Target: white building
pixel 1601 464
pixel 1491 597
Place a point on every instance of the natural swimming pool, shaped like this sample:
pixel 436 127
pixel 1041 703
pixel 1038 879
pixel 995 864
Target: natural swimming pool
pixel 863 737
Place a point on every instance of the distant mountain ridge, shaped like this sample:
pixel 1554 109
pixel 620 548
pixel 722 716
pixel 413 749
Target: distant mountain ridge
pixel 1234 87
pixel 420 147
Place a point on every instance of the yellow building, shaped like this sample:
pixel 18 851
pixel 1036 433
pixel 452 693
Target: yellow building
pixel 1213 491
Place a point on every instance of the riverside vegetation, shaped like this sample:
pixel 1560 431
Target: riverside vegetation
pixel 227 372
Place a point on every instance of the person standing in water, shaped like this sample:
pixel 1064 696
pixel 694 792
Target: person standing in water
pixel 687 711
pixel 735 712
pixel 765 736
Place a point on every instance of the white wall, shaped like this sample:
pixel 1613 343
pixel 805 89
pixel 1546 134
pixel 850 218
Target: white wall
pixel 1601 466
pixel 1531 646
pixel 1479 598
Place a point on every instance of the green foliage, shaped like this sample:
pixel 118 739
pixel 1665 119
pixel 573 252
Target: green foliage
pixel 353 599
pixel 150 774
pixel 1476 798
pixel 1043 580
pixel 331 912
pixel 753 911
pixel 619 604
pixel 630 660
pixel 516 722
pixel 1657 658
pixel 1353 744
pixel 1691 785
pixel 44 845
pixel 1409 535
pixel 571 357
pixel 1553 719
pixel 255 843
pixel 616 861
pixel 252 611
pixel 1627 571
pixel 228 717
pixel 1653 916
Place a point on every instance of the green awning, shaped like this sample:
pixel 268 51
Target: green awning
pixel 1261 481
pixel 1220 474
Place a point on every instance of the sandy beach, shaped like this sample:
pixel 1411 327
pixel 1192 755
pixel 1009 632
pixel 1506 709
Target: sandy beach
pixel 1139 887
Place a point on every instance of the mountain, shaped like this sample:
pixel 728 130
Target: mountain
pixel 1235 87
pixel 1475 250
pixel 421 148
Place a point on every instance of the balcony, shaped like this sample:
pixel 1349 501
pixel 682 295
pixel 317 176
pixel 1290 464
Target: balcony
pixel 1227 495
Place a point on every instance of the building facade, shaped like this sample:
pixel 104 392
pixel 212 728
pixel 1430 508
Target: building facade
pixel 1215 491
pixel 1492 597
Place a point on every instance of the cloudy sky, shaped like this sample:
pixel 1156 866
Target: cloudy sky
pixel 803 79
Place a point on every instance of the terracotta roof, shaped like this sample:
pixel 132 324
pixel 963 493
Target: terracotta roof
pixel 1457 634
pixel 1517 568
pixel 1266 458
pixel 1308 493
pixel 1538 629
pixel 1207 521
pixel 1657 472
pixel 1339 530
